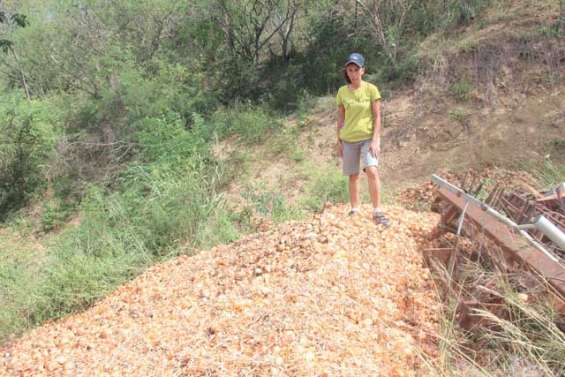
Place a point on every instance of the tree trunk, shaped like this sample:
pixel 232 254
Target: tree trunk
pixel 287 34
pixel 24 82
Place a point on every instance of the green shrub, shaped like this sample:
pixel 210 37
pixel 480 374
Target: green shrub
pixel 252 124
pixel 464 12
pixel 270 204
pixel 322 58
pixel 119 234
pixel 54 213
pixel 18 278
pixel 326 186
pixel 286 143
pixel 461 90
pixel 163 205
pixel 552 30
pixel 548 173
pixel 459 115
pixel 404 72
pixel 27 137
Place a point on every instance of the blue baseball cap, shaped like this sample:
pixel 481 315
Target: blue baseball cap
pixel 356 59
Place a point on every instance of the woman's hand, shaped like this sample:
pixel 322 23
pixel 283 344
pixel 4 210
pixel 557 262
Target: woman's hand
pixel 375 148
pixel 339 147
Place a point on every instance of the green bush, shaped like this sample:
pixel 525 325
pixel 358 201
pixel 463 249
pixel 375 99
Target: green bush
pixel 120 233
pixel 27 137
pixel 404 72
pixel 270 204
pixel 165 204
pixel 548 173
pixel 446 14
pixel 284 85
pixel 54 214
pixel 19 277
pixel 327 186
pixel 324 55
pixel 252 124
pixel 459 115
pixel 461 90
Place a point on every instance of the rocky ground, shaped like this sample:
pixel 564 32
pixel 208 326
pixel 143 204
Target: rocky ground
pixel 330 296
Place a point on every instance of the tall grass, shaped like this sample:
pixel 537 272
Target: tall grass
pixel 267 203
pixel 251 123
pixel 549 173
pixel 327 184
pixel 520 338
pixel 19 267
pixel 165 201
pixel 168 205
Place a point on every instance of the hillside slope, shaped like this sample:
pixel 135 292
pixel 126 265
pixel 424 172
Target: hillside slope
pixel 333 295
pixel 490 93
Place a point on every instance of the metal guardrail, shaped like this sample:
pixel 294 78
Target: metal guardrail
pixel 548 228
pixel 541 223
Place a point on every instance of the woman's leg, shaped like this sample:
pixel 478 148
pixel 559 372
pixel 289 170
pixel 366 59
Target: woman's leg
pixel 370 162
pixel 374 185
pixel 354 190
pixel 374 188
pixel 351 156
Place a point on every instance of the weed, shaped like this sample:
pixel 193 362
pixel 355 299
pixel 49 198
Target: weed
pixel 270 204
pixel 550 31
pixel 547 173
pixel 305 105
pixel 54 214
pixel 20 273
pixel 326 186
pixel 459 115
pixel 461 90
pixel 252 124
pixel 558 143
pixel 297 155
pixel 237 167
pixel 286 141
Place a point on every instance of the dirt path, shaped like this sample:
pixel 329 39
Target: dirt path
pixel 332 296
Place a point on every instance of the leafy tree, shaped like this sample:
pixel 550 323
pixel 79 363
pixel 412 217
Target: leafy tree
pixel 27 140
pixel 387 20
pixel 10 21
pixel 251 26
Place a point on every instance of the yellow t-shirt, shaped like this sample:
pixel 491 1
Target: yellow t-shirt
pixel 358 113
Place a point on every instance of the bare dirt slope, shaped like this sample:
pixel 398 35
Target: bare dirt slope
pixel 490 93
pixel 330 296
pixel 421 136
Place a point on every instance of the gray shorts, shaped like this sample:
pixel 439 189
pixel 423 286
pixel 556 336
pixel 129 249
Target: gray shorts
pixel 355 152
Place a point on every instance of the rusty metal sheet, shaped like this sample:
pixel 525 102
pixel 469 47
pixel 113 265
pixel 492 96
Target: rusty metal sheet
pixel 442 253
pixel 508 239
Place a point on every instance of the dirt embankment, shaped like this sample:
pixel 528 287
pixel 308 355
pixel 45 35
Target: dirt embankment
pixel 330 296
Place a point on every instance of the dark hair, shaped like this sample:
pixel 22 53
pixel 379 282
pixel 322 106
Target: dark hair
pixel 344 70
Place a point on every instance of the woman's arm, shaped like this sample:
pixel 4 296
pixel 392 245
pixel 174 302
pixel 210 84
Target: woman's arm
pixel 340 123
pixel 375 147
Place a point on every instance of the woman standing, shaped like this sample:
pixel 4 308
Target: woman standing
pixel 358 133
